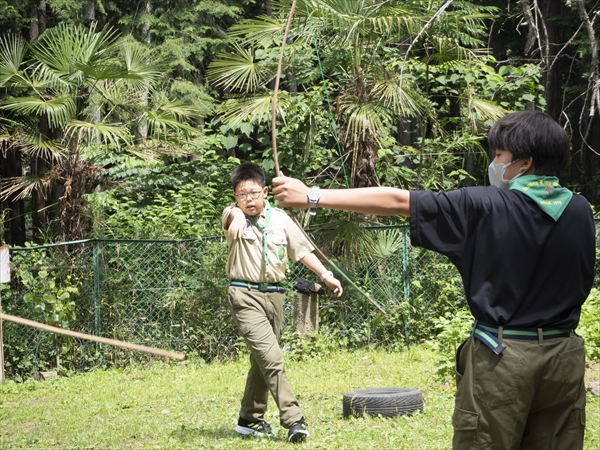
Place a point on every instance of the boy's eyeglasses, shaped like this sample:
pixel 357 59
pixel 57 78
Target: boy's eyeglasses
pixel 253 195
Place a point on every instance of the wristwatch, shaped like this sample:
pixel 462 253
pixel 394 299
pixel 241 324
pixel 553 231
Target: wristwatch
pixel 313 197
pixel 327 274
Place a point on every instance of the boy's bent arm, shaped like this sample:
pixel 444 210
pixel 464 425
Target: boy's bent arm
pixel 316 266
pixel 379 201
pixel 235 223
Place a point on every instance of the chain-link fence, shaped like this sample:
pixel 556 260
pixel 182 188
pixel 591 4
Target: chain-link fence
pixel 173 295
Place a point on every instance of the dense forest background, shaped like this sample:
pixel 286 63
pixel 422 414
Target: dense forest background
pixel 125 119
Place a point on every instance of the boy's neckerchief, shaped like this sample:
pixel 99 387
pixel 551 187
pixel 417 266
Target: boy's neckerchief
pixel 264 228
pixel 545 191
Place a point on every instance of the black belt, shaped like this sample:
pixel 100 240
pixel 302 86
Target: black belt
pixel 262 287
pixel 488 334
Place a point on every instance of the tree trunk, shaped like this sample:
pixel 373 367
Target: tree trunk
pixel 551 11
pixel 142 128
pixel 38 164
pixel 13 211
pixel 38 23
pixel 365 174
pixel 89 11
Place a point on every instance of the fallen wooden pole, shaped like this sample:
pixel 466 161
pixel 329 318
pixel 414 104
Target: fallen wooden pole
pixel 89 337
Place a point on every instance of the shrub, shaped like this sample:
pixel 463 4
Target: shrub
pixel 454 329
pixel 589 325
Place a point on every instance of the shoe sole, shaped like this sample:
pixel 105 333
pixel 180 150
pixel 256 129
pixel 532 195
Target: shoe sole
pixel 298 436
pixel 245 431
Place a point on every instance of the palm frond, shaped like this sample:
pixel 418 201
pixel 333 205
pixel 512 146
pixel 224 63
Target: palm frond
pixel 260 31
pixel 19 188
pixel 160 124
pixel 63 47
pixel 253 108
pixel 354 21
pixel 348 238
pixel 238 70
pixel 386 243
pixel 367 118
pixel 443 50
pixel 59 109
pixel 481 110
pixel 400 97
pixel 13 50
pixel 112 97
pixel 107 71
pixel 140 64
pixel 32 142
pixel 113 134
pixel 180 110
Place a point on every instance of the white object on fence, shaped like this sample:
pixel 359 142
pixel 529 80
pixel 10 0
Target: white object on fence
pixel 4 278
pixel 4 264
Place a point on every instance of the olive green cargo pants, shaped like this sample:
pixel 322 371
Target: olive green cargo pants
pixel 259 317
pixel 532 396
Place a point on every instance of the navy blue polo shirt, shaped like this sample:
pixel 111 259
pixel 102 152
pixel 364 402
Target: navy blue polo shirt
pixel 519 267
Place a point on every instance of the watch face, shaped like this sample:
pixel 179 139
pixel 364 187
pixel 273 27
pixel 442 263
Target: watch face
pixel 313 196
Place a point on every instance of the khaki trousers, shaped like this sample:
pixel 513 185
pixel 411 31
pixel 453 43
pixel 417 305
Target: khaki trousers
pixel 532 396
pixel 259 317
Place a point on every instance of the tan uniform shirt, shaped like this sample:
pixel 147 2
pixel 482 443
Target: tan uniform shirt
pixel 246 260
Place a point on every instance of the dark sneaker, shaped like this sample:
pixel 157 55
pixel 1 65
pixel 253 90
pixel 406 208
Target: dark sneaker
pixel 298 431
pixel 260 428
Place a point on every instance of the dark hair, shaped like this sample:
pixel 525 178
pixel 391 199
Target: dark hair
pixel 535 134
pixel 248 171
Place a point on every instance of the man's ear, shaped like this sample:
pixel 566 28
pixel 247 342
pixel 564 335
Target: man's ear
pixel 528 165
pixel 265 191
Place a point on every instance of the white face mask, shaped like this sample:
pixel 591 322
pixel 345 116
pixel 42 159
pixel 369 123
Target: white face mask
pixel 496 173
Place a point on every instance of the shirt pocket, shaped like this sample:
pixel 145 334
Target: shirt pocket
pixel 279 247
pixel 249 235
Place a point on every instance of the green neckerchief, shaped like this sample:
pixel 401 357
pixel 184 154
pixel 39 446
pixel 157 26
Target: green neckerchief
pixel 545 191
pixel 264 228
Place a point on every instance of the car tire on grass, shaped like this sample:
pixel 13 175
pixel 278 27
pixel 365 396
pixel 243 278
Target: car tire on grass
pixel 385 402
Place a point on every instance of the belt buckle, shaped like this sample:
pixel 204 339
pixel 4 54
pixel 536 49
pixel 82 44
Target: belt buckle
pixel 263 287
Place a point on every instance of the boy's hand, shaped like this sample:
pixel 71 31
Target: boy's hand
pixel 290 192
pixel 238 224
pixel 335 285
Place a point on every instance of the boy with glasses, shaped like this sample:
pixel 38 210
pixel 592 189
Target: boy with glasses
pixel 261 238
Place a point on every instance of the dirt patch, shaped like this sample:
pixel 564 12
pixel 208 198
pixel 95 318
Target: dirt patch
pixel 592 371
pixel 19 429
pixel 44 401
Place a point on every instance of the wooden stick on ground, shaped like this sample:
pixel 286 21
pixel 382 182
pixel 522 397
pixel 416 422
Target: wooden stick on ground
pixel 89 337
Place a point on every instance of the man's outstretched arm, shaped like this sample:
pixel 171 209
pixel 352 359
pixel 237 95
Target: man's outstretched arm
pixel 379 201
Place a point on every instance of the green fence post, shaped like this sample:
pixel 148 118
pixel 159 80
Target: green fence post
pixel 96 289
pixel 406 279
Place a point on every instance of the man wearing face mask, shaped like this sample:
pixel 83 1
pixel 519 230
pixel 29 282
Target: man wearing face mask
pixel 525 248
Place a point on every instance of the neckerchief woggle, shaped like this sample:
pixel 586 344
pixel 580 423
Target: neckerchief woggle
pixel 545 191
pixel 264 228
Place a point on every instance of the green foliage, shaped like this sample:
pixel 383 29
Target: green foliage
pixel 101 97
pixel 452 330
pixel 589 325
pixel 183 199
pixel 353 95
pixel 436 290
pixel 297 346
pixel 13 15
pixel 51 304
pixel 49 291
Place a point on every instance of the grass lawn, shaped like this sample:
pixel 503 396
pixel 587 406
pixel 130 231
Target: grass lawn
pixel 194 405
